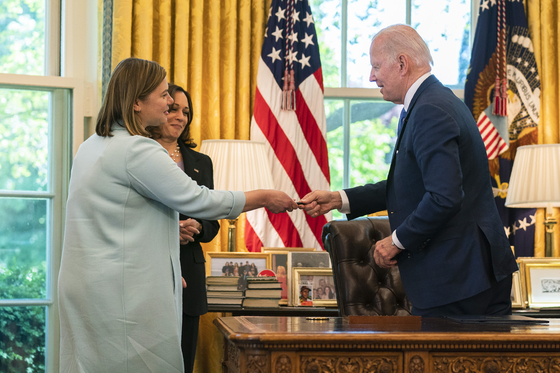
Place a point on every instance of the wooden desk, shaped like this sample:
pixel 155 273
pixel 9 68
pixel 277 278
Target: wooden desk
pixel 294 344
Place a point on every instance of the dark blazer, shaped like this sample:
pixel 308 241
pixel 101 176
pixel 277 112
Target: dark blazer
pixel 199 167
pixel 439 199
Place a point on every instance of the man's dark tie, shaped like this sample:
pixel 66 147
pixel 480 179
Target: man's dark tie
pixel 401 119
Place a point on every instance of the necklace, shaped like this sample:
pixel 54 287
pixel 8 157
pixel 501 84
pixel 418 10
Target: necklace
pixel 176 153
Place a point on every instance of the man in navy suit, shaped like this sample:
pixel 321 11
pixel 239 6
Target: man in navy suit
pixel 448 240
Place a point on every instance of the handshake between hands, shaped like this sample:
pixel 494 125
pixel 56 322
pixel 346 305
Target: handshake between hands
pixel 316 203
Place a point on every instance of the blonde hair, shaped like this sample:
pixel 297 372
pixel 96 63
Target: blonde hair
pixel 403 39
pixel 133 79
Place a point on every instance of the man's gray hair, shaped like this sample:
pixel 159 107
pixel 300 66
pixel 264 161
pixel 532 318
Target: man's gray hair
pixel 403 39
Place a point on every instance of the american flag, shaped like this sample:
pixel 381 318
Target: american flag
pixel 296 139
pixel 493 140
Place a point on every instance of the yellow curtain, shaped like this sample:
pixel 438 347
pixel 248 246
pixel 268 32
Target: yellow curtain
pixel 211 48
pixel 543 17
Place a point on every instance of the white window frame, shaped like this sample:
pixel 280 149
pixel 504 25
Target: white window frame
pixel 368 94
pixel 71 50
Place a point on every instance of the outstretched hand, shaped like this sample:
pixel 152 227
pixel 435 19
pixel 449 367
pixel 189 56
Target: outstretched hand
pixel 274 200
pixel 278 202
pixel 320 202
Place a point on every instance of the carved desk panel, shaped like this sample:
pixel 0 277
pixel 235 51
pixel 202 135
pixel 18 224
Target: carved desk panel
pixel 298 345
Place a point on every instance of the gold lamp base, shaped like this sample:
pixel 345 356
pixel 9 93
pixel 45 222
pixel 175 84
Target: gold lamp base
pixel 549 224
pixel 231 235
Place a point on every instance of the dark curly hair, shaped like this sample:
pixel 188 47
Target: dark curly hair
pixel 186 134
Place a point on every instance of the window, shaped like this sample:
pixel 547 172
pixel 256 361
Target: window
pixel 34 140
pixel 361 126
pixel 36 115
pixel 30 37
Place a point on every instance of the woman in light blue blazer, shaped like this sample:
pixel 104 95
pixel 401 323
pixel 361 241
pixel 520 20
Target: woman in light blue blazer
pixel 120 279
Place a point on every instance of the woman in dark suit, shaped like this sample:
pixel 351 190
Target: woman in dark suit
pixel 174 136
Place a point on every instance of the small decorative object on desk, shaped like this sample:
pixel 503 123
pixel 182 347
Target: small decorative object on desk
pixel 266 273
pixel 262 291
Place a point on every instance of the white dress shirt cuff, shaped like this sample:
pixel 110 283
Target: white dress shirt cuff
pixel 345 209
pixel 396 240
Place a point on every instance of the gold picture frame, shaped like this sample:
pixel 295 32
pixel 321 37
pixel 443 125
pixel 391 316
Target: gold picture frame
pixel 517 299
pixel 313 278
pixel 542 278
pixel 279 256
pixel 310 259
pixel 279 264
pixel 216 260
pixel 523 278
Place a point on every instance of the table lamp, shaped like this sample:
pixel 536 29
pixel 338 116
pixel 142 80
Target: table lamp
pixel 238 165
pixel 535 182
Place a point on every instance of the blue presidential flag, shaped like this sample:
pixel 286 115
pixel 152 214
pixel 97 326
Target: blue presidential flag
pixel 503 69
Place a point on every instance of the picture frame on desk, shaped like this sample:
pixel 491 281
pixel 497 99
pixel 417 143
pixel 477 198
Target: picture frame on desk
pixel 219 259
pixel 523 278
pixel 310 259
pixel 315 279
pixel 279 264
pixel 542 281
pixel 517 299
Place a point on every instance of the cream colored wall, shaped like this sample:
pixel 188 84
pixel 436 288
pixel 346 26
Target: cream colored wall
pixel 81 61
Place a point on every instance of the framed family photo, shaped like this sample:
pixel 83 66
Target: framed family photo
pixel 311 259
pixel 237 264
pixel 320 287
pixel 543 282
pixel 279 264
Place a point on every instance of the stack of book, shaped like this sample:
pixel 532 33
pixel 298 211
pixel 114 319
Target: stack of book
pixel 223 291
pixel 262 292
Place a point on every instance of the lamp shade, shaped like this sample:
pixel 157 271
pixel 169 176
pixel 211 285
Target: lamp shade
pixel 535 177
pixel 239 164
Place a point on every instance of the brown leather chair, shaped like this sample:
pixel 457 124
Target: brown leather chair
pixel 362 287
